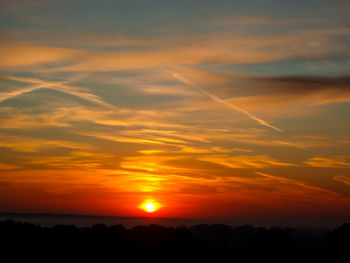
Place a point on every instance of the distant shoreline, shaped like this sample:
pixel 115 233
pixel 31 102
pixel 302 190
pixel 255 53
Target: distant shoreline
pixel 84 220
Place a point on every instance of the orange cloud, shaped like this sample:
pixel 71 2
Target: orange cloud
pixel 335 162
pixel 173 51
pixel 4 166
pixel 342 178
pixel 21 55
pixel 30 144
pixel 74 160
pixel 244 161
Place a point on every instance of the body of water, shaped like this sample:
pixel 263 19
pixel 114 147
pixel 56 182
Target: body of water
pixel 129 222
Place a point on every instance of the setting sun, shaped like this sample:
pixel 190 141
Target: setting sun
pixel 150 206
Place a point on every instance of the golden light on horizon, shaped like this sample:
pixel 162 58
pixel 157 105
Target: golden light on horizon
pixel 150 206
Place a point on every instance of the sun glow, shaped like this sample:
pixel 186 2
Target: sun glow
pixel 150 206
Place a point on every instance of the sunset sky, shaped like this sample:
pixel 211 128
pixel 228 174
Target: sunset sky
pixel 212 109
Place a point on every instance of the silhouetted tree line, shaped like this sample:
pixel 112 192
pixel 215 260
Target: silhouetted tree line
pixel 155 243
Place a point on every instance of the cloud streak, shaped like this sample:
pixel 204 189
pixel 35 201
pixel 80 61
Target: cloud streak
pixel 59 86
pixel 244 161
pixel 332 162
pixel 342 178
pixel 224 102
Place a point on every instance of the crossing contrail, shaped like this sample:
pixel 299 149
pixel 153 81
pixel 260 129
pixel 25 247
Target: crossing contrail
pixel 60 86
pixel 224 102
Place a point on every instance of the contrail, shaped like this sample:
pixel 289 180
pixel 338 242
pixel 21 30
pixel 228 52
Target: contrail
pixel 224 102
pixel 60 86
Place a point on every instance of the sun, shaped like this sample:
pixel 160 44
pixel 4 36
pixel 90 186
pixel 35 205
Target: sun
pixel 150 206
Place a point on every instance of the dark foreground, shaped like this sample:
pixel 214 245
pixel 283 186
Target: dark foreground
pixel 155 243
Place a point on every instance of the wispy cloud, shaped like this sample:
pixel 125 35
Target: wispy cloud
pixel 244 161
pixel 60 86
pixel 16 55
pixel 73 160
pixel 224 102
pixel 4 166
pixel 342 178
pixel 335 162
pixel 29 144
pixel 164 51
pixel 298 183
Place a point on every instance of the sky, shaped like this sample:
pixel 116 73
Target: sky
pixel 212 109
